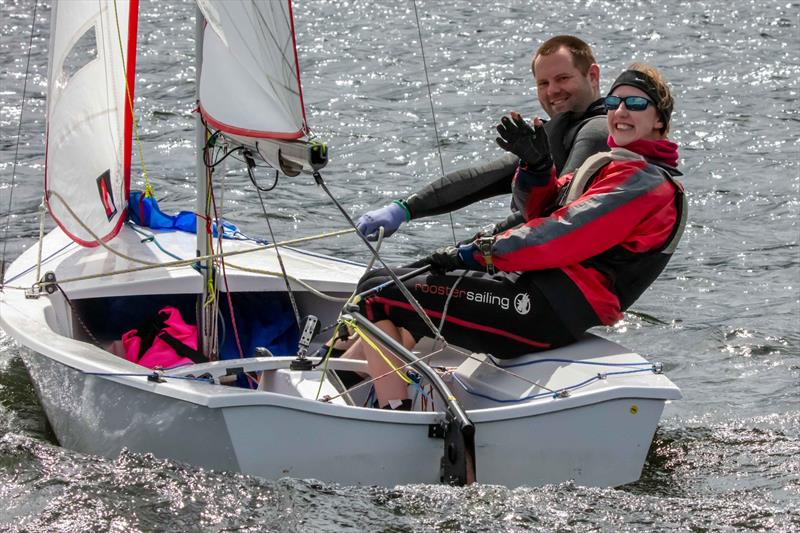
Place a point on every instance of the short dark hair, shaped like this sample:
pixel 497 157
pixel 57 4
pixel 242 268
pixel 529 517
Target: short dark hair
pixel 582 55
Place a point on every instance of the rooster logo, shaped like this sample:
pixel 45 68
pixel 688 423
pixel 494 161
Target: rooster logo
pixel 522 303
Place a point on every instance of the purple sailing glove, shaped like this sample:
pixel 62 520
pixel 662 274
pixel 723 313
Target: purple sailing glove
pixel 390 217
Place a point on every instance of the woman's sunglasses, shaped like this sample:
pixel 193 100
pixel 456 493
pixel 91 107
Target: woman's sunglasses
pixel 632 103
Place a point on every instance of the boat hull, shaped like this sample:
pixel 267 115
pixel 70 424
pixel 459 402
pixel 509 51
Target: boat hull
pixel 599 444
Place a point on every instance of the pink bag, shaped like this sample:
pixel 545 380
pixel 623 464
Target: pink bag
pixel 166 341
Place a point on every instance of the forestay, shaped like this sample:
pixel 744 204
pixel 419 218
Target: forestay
pixel 249 50
pixel 89 116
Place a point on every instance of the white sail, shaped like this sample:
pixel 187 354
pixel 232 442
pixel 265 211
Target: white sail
pixel 249 51
pixel 89 117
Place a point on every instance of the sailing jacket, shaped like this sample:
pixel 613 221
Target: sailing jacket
pixel 572 137
pixel 597 238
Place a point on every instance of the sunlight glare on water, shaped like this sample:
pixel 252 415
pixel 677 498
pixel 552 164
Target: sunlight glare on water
pixel 724 318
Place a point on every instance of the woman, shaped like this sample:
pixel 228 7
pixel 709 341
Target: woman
pixel 592 242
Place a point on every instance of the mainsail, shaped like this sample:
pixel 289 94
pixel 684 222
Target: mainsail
pixel 89 116
pixel 250 80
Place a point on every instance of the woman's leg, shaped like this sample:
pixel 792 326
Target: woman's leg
pixel 391 386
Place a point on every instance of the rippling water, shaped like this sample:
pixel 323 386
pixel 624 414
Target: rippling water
pixel 724 318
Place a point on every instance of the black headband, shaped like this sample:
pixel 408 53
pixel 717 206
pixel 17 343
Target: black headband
pixel 642 81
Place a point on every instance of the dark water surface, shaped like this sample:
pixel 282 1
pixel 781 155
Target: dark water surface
pixel 724 318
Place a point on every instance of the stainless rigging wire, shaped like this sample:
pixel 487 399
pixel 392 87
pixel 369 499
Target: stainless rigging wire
pixel 16 149
pixel 433 112
pixel 285 276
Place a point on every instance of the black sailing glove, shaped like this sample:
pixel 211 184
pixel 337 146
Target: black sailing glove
pixel 529 144
pixel 455 257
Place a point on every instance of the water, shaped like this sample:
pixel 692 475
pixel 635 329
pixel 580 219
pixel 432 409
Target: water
pixel 724 318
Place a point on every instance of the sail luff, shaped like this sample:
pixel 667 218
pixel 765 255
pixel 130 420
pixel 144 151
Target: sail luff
pixel 133 31
pixel 297 67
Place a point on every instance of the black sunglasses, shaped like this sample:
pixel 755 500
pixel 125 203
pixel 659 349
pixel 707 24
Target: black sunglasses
pixel 632 103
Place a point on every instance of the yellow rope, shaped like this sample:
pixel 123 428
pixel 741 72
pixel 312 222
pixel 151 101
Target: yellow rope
pixel 363 336
pixel 325 366
pixel 148 189
pixel 211 296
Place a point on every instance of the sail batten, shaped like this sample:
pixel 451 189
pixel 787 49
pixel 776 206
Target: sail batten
pixel 249 50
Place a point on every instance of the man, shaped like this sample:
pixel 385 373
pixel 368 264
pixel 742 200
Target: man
pixel 568 87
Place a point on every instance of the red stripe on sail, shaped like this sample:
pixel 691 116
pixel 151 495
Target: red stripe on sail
pixel 244 132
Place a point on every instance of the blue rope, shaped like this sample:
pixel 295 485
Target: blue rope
pixel 415 385
pixel 45 260
pixel 545 394
pixel 571 361
pixel 150 237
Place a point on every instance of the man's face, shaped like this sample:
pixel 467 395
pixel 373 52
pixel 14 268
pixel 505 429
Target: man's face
pixel 561 87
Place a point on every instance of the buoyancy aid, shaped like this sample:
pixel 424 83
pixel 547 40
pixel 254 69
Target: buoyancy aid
pixel 165 341
pixel 629 272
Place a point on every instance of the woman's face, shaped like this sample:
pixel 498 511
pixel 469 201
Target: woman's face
pixel 626 126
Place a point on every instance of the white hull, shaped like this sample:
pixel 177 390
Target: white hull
pixel 597 435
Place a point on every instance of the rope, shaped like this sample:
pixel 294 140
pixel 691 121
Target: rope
pixel 78 316
pixel 433 112
pixel 449 298
pixel 148 189
pixel 390 372
pixel 30 268
pixel 228 295
pixel 472 356
pixel 363 336
pixel 16 148
pixel 155 375
pixel 42 211
pixel 400 286
pixel 299 281
pixel 554 394
pixel 289 291
pixel 189 262
pixel 97 239
pixel 557 360
pixel 210 307
pixel 151 237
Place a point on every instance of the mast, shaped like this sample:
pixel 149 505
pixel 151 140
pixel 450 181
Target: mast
pixel 205 320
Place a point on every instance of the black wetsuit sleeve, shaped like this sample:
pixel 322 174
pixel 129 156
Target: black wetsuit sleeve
pixel 592 138
pixel 512 221
pixel 464 187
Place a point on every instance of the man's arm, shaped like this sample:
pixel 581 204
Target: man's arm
pixel 463 187
pixel 453 191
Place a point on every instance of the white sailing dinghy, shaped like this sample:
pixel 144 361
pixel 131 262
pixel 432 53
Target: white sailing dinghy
pixel 586 412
